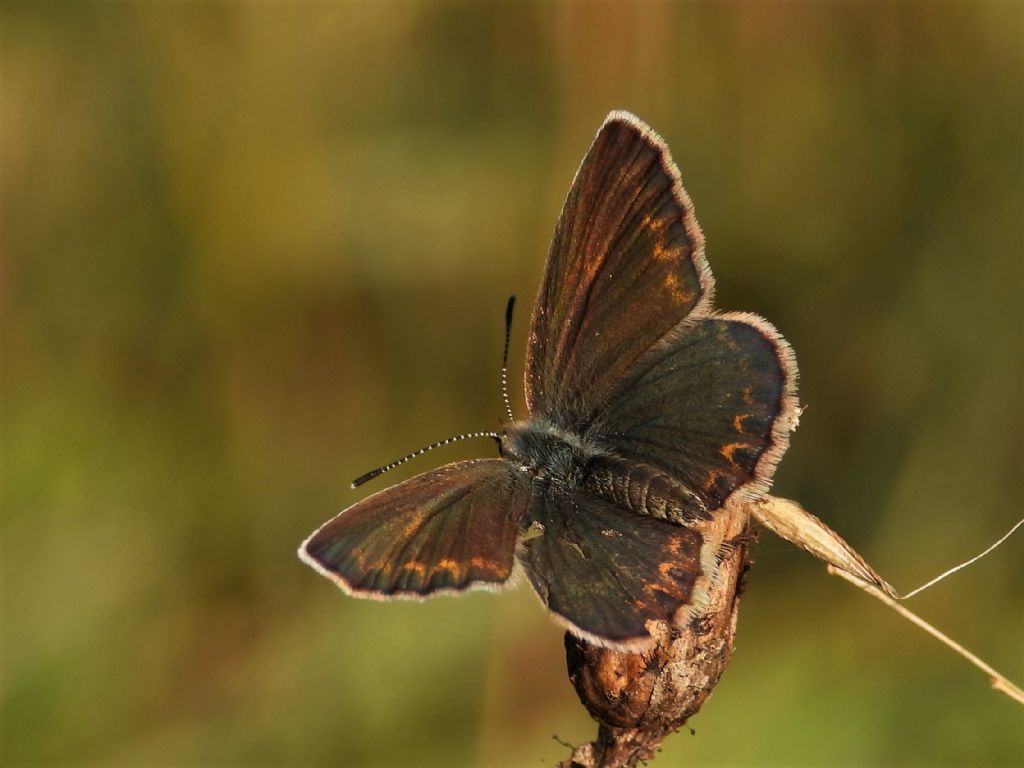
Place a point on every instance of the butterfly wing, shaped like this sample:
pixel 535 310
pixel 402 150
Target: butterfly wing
pixel 624 347
pixel 606 572
pixel 711 405
pixel 446 530
pixel 626 264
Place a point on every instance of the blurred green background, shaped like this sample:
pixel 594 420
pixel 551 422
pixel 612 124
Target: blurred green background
pixel 252 250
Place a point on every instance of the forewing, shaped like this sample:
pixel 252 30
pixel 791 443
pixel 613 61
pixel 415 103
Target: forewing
pixel 712 405
pixel 606 572
pixel 448 529
pixel 626 265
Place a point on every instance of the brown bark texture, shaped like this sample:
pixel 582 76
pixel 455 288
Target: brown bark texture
pixel 640 698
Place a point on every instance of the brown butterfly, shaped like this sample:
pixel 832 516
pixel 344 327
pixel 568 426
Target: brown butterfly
pixel 649 411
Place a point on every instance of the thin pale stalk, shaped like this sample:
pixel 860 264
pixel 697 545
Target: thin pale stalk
pixel 999 681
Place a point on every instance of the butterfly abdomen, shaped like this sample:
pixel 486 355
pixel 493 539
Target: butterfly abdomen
pixel 643 490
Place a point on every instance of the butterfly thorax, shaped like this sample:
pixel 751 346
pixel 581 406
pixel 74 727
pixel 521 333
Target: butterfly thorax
pixel 547 452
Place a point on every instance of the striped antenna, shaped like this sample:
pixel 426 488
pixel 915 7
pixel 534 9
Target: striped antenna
pixel 388 467
pixel 504 358
pixel 448 440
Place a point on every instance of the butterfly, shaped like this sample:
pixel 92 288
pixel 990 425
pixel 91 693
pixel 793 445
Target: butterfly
pixel 649 412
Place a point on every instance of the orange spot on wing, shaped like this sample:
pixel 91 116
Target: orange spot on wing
pixel 747 395
pixel 737 421
pixel 675 290
pixel 729 449
pixel 661 252
pixel 712 478
pixel 452 566
pixel 656 224
pixel 484 564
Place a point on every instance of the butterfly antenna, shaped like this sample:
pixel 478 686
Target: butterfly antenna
pixel 447 441
pixel 504 357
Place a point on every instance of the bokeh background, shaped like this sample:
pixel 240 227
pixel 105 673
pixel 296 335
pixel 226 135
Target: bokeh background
pixel 251 250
